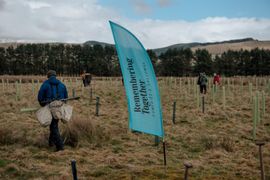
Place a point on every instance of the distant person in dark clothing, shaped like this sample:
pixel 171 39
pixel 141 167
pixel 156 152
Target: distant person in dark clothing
pixel 86 78
pixel 53 89
pixel 202 82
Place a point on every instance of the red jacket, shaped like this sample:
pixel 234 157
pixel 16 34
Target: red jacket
pixel 216 79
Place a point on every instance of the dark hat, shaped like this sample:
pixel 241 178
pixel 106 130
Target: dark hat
pixel 51 73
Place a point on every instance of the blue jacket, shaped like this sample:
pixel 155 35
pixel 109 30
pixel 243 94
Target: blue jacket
pixel 50 90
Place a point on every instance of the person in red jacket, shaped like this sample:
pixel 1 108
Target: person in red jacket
pixel 216 79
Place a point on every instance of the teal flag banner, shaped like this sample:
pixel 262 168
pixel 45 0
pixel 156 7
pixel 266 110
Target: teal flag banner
pixel 145 112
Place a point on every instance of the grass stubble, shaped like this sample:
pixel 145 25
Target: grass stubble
pixel 218 142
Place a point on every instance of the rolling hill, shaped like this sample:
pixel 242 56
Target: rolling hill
pixel 214 48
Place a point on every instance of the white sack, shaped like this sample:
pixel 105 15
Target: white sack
pixel 44 116
pixel 67 113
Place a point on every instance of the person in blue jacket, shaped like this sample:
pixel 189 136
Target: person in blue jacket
pixel 202 82
pixel 53 89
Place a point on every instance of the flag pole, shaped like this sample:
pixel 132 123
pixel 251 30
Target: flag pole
pixel 164 152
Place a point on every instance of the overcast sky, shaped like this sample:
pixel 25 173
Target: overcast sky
pixel 157 23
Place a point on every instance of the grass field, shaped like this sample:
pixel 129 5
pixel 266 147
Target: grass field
pixel 219 143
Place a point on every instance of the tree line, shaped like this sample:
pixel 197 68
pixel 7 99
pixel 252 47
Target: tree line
pixel 72 59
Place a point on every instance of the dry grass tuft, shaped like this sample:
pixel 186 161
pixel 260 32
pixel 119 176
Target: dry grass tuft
pixel 214 142
pixel 6 136
pixel 41 140
pixel 9 137
pixel 84 130
pixel 227 143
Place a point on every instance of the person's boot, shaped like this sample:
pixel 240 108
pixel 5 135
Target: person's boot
pixel 59 149
pixel 51 144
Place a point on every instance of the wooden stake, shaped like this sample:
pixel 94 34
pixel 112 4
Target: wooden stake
pixel 198 98
pixel 17 91
pixel 242 89
pixel 70 83
pixel 174 109
pixel 38 84
pixel 82 87
pixel 223 97
pixel 254 110
pixel 73 92
pixel 195 90
pixel 263 104
pixel 74 170
pixel 213 93
pixel 258 107
pixel 33 87
pixel 164 153
pixel 203 104
pixel 97 106
pixel 256 83
pixel 250 89
pixel 3 85
pixel 7 83
pixel 156 140
pixel 260 144
pixel 269 86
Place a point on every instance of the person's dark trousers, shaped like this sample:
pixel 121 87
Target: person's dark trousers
pixel 55 137
pixel 203 89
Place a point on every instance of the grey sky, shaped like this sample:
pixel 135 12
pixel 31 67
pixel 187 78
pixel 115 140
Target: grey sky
pixel 2 4
pixel 82 20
